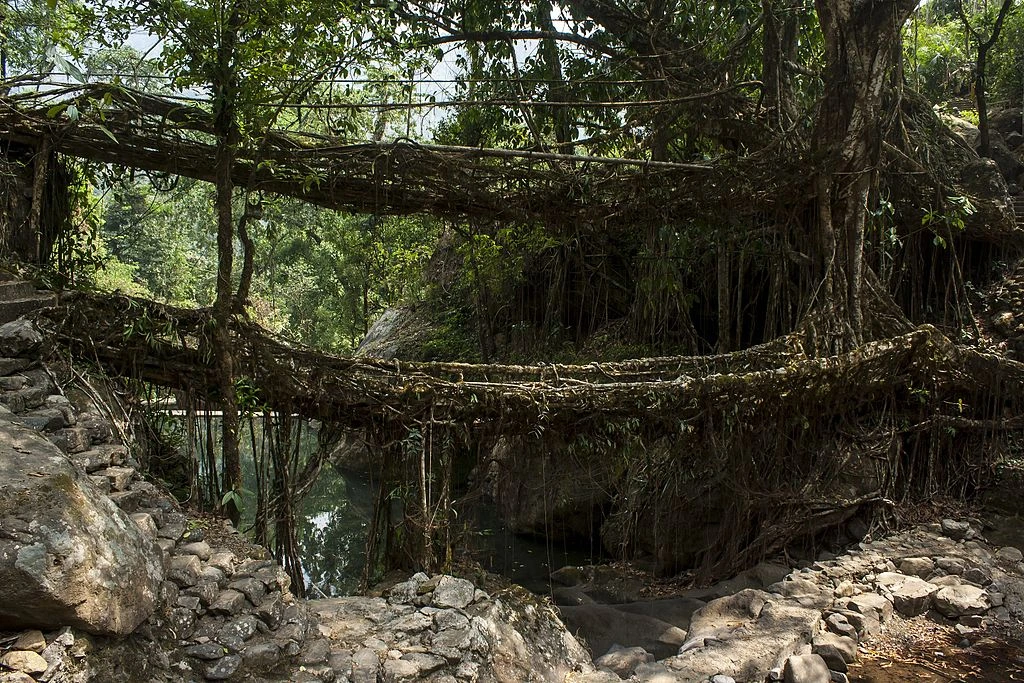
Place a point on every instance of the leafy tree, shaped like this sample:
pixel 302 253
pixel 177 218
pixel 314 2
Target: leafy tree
pixel 983 37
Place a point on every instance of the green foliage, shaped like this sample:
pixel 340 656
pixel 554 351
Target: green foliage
pixel 938 63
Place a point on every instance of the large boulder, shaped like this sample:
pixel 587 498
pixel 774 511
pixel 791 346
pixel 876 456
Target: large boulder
pixel 68 555
pixel 402 332
pixel 744 636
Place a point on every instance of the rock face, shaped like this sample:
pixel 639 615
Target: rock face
pixel 507 638
pixel 399 332
pixel 68 555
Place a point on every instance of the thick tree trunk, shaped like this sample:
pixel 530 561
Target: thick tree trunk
pixel 861 48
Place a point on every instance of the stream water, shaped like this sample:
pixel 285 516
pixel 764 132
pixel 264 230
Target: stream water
pixel 334 516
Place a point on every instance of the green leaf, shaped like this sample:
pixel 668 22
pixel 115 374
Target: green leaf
pixel 106 131
pixel 54 111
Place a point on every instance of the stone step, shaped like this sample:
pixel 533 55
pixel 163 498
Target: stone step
pixel 12 310
pixel 13 290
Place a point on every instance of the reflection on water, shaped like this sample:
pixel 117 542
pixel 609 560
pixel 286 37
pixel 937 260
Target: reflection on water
pixel 332 527
pixel 334 517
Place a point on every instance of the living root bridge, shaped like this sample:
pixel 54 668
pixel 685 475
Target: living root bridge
pixel 169 346
pixel 710 462
pixel 157 134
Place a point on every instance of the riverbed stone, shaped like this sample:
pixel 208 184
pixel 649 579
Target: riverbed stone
pixel 911 596
pixel 806 669
pixel 959 601
pixel 67 555
pixel 624 660
pixel 1009 554
pixel 920 567
pixel 955 529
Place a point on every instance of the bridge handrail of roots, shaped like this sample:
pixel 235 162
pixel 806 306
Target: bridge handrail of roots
pixel 169 346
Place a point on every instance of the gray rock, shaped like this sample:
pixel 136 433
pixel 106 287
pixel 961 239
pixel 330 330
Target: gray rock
pixel 805 592
pixel 9 366
pixel 624 660
pixel 67 555
pixel 206 651
pixel 958 601
pixel 840 625
pixel 270 610
pixel 453 592
pixel 223 669
pixel 920 567
pixel 24 661
pixel 1009 554
pixel 200 549
pixel 254 589
pixel 911 596
pixel 184 570
pixel 365 666
pixel 262 655
pixel 223 560
pixel 241 629
pixel 953 528
pixel 871 604
pixel 844 645
pixel 722 678
pixel 806 669
pixel 19 338
pixel 602 626
pixel 145 522
pixel 71 440
pixel 206 591
pixel 229 602
pixel 977 575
